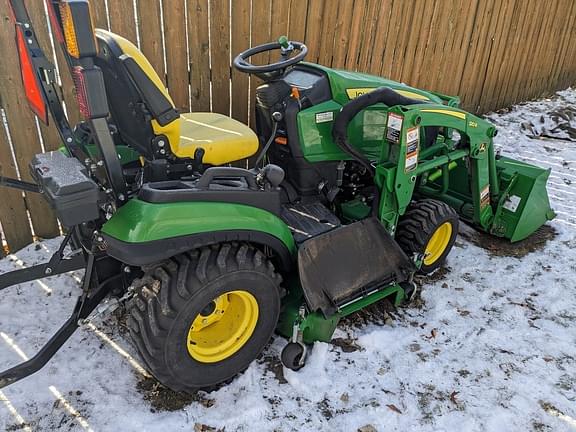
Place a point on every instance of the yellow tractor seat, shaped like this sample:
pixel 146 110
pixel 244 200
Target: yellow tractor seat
pixel 223 139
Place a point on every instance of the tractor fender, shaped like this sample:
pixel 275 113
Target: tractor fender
pixel 142 233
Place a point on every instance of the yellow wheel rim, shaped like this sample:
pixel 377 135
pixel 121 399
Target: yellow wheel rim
pixel 437 243
pixel 223 327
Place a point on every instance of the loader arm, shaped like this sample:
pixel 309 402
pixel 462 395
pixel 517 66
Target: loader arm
pixel 477 149
pixel 501 196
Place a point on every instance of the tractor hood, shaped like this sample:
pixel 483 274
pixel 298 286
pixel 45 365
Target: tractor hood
pixel 347 85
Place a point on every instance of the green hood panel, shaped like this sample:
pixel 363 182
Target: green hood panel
pixel 139 221
pixel 346 85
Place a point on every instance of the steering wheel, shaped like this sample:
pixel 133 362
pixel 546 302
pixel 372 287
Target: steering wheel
pixel 286 48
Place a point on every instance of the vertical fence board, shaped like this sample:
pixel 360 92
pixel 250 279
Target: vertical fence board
pixel 514 37
pixel 425 34
pixel 473 68
pixel 99 15
pixel 569 6
pixel 384 57
pixel 199 55
pixel 369 30
pixel 176 52
pixel 342 33
pixel 402 39
pixel 220 54
pixel 355 34
pixel 442 69
pixel 520 49
pixel 548 44
pixel 568 74
pixel 297 20
pixel 468 9
pixel 151 34
pixel 425 54
pixel 326 48
pixel 567 61
pixel 122 20
pixel 13 209
pixel 490 47
pixel 524 50
pixel 280 18
pixel 22 127
pixel 260 33
pixel 418 27
pixel 314 29
pixel 240 42
pixel 374 65
pixel 498 57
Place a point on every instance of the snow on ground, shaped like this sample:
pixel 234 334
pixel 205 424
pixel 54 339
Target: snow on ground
pixel 490 346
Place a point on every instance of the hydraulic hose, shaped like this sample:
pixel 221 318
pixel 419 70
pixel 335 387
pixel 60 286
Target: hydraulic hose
pixel 383 95
pixel 268 144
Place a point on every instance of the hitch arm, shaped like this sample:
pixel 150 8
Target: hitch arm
pixel 85 304
pixel 57 265
pixel 41 270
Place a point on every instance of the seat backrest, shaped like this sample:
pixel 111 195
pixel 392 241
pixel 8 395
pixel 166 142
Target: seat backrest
pixel 140 105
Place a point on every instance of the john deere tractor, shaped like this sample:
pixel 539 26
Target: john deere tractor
pixel 356 184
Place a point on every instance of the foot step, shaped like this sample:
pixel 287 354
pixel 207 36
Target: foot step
pixel 308 220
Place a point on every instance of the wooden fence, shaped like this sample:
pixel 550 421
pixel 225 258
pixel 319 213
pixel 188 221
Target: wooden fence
pixel 492 53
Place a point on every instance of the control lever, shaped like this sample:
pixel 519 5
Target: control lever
pixel 276 117
pixel 273 174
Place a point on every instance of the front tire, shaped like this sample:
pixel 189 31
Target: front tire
pixel 429 227
pixel 200 318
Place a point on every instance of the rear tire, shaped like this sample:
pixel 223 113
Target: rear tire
pixel 200 318
pixel 428 227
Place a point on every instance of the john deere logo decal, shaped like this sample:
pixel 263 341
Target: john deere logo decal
pixel 353 93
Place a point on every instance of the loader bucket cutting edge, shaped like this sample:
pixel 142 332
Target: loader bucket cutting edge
pixel 526 206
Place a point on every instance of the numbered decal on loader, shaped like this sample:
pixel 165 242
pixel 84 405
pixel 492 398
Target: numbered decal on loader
pixel 412 145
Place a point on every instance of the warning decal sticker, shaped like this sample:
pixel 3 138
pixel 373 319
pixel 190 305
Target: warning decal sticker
pixel 393 127
pixel 412 144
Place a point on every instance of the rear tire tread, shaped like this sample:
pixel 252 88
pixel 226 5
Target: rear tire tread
pixel 160 296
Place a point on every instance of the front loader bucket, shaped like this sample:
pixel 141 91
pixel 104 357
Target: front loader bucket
pixel 524 205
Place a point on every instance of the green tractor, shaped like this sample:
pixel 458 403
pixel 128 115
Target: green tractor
pixel 356 184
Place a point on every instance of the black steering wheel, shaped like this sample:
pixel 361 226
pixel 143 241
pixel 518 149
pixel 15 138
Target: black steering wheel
pixel 286 48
